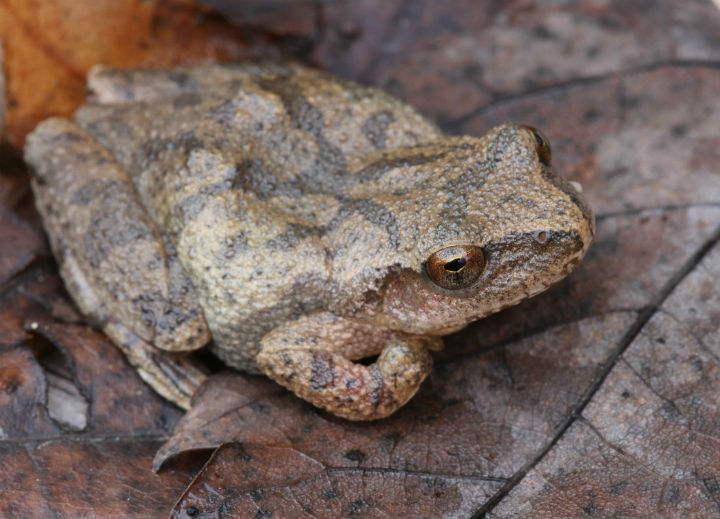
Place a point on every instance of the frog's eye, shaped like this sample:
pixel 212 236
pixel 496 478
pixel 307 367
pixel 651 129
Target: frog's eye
pixel 542 146
pixel 455 267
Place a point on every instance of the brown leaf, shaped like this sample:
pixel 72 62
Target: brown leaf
pixel 27 327
pixel 229 408
pixel 21 244
pixel 647 444
pixel 15 310
pixel 23 393
pixel 50 471
pixel 294 18
pixel 94 362
pixel 98 476
pixel 451 58
pixel 241 481
pixel 51 44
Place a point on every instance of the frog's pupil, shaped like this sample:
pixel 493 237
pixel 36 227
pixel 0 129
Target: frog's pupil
pixel 540 141
pixel 455 265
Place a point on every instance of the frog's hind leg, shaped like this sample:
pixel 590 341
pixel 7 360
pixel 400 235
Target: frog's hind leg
pixel 112 257
pixel 312 357
pixel 174 377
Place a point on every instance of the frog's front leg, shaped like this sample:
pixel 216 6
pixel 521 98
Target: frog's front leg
pixel 312 356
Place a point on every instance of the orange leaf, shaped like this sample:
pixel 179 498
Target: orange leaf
pixel 50 45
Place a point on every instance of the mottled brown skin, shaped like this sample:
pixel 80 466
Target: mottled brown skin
pixel 290 215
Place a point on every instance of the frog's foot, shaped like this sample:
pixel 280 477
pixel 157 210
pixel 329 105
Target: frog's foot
pixel 311 357
pixel 173 376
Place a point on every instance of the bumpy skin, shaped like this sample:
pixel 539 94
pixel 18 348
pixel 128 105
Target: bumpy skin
pixel 290 214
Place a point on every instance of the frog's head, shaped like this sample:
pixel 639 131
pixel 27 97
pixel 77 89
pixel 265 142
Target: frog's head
pixel 504 228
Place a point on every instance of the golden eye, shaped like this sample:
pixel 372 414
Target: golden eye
pixel 455 267
pixel 542 146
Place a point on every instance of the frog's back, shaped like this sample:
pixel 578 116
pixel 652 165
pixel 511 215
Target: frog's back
pixel 293 120
pixel 269 130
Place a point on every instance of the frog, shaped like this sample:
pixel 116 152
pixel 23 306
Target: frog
pixel 301 226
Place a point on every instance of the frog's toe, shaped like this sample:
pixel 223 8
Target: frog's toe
pixel 173 377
